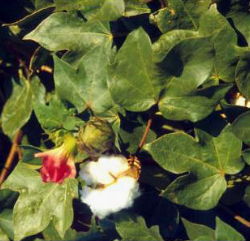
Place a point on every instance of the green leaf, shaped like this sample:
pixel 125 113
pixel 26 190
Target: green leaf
pixel 226 55
pixel 50 233
pixel 168 40
pixel 196 193
pixel 180 14
pixel 68 84
pixel 196 231
pixel 86 86
pixel 194 106
pixel 52 115
pixel 39 203
pixel 84 5
pixel 132 139
pixel 242 75
pixel 109 11
pixel 133 84
pixel 173 37
pixel 6 223
pixel 246 156
pixel 207 161
pixel 241 127
pixel 224 232
pixel 188 65
pixel 135 7
pixel 29 158
pixel 238 12
pixel 193 57
pixel 135 229
pixel 94 87
pixel 3 236
pixel 7 199
pixel 65 31
pixel 18 108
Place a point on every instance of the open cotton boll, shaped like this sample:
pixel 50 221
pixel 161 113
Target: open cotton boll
pixel 112 186
pixel 93 173
pixel 241 101
pixel 111 199
pixel 114 164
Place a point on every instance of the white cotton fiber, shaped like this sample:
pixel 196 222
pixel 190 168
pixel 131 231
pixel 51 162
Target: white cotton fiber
pixel 119 191
pixel 92 173
pixel 114 164
pixel 111 199
pixel 241 101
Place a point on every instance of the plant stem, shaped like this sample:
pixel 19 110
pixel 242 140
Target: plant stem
pixel 11 156
pixel 236 216
pixel 145 134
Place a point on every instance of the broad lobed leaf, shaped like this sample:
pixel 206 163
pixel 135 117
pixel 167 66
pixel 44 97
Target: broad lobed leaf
pixel 135 229
pixel 66 31
pixel 133 84
pixel 207 161
pixel 39 203
pixel 13 120
pixel 201 232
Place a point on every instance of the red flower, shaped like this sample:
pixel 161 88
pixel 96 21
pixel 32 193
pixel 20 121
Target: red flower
pixel 58 163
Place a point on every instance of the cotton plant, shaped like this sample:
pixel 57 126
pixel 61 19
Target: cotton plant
pixel 107 82
pixel 111 180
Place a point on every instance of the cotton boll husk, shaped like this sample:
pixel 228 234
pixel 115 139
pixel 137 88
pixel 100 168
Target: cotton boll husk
pixel 93 173
pixel 113 198
pixel 115 164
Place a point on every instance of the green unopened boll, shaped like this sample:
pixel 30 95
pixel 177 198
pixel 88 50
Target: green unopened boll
pixel 96 137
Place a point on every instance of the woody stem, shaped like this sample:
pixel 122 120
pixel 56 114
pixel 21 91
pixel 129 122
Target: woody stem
pixel 11 156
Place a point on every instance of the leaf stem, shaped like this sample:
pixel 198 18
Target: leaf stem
pixel 145 134
pixel 13 151
pixel 236 216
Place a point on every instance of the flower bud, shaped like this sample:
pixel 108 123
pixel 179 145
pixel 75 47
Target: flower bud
pixel 96 137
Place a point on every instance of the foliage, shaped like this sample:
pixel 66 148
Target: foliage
pixel 153 79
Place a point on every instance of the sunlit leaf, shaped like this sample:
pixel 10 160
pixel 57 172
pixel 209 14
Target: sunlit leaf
pixel 68 84
pixel 53 115
pixel 224 232
pixel 196 231
pixel 133 84
pixel 194 106
pixel 94 84
pixel 180 14
pixel 207 162
pixel 17 109
pixel 241 127
pixel 65 31
pixel 39 203
pixel 238 12
pixel 6 223
pixel 135 229
pixel 242 75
